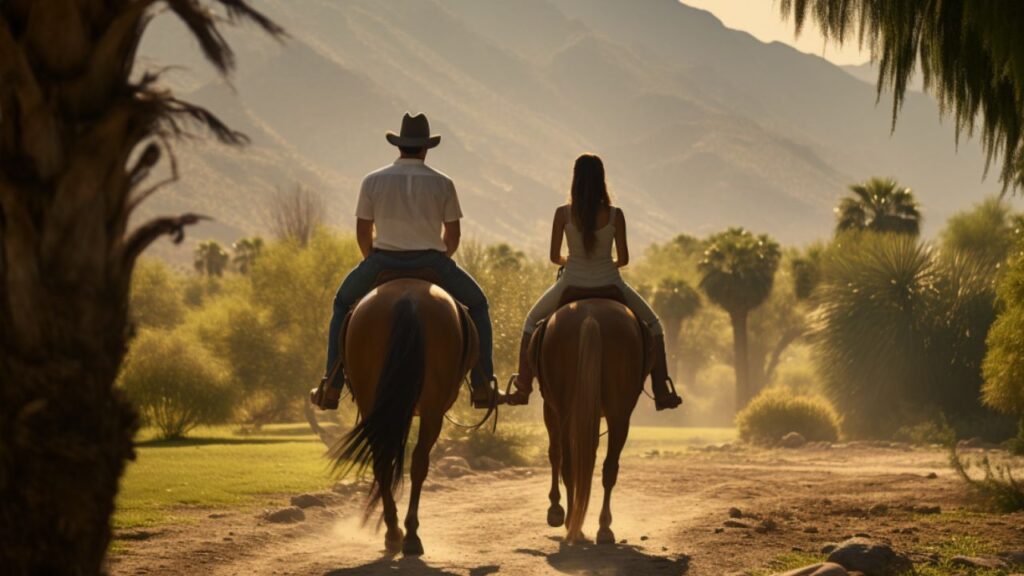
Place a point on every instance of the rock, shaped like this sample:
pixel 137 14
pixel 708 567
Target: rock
pixel 644 538
pixel 792 440
pixel 1013 558
pixel 719 530
pixel 925 509
pixel 488 464
pixel 829 548
pixel 811 530
pixel 988 562
pixel 932 476
pixel 735 512
pixel 307 501
pixel 453 467
pixel 871 557
pixel 287 515
pixel 217 515
pixel 766 525
pixel 825 569
pixel 879 509
pixel 732 523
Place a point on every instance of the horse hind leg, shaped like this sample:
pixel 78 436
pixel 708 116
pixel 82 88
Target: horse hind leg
pixel 617 432
pixel 430 429
pixel 556 514
pixel 393 536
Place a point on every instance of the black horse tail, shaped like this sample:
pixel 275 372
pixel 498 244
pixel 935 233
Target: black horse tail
pixel 380 438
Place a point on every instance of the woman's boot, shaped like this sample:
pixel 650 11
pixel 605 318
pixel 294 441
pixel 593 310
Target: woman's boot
pixel 665 396
pixel 524 377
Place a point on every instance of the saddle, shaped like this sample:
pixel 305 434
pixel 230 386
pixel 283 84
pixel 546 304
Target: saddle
pixel 575 294
pixel 385 276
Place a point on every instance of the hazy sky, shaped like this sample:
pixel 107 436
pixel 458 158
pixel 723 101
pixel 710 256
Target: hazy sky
pixel 762 19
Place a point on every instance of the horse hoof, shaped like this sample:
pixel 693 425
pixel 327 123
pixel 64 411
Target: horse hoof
pixel 393 541
pixel 412 546
pixel 556 516
pixel 605 536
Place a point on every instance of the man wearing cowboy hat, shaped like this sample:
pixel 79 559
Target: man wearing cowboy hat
pixel 415 212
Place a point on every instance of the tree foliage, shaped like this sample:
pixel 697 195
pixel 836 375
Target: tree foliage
pixel 879 205
pixel 1004 361
pixel 971 54
pixel 156 298
pixel 211 259
pixel 985 233
pixel 176 383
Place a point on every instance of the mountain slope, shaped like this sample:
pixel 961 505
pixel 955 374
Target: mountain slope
pixel 701 127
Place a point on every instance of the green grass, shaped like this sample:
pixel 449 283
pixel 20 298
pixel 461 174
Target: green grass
pixel 963 545
pixel 789 561
pixel 216 467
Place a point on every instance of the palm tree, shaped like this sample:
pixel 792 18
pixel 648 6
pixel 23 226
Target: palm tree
pixel 81 129
pixel 971 54
pixel 211 259
pixel 737 273
pixel 674 300
pixel 879 205
pixel 247 250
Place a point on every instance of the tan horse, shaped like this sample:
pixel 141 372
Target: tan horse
pixel 590 361
pixel 408 348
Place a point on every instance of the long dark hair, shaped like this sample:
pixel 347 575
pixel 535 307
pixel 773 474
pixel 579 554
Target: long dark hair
pixel 589 195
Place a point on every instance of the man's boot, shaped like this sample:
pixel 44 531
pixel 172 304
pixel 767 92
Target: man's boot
pixel 665 396
pixel 326 396
pixel 524 377
pixel 485 394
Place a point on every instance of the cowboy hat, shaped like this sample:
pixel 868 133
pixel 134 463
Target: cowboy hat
pixel 415 133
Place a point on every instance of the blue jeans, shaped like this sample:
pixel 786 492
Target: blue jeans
pixel 453 280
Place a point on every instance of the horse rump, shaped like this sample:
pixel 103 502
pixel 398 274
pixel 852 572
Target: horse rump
pixel 380 438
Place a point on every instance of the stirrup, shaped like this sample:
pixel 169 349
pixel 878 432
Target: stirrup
pixel 670 400
pixel 512 397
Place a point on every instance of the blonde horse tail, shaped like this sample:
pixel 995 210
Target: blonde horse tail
pixel 584 424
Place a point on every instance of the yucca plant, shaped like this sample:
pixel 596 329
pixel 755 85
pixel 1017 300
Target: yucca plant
pixel 80 131
pixel 899 330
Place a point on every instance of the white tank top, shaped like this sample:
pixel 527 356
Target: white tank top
pixel 594 269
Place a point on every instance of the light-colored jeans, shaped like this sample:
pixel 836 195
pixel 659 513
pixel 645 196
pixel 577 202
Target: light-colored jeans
pixel 548 303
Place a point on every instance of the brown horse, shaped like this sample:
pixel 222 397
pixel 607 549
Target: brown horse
pixel 590 361
pixel 409 346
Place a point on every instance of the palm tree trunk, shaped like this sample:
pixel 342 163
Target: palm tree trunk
pixel 66 435
pixel 740 358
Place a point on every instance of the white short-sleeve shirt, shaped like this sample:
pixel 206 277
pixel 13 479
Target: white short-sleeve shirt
pixel 408 202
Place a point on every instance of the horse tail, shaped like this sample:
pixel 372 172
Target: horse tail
pixel 380 438
pixel 584 424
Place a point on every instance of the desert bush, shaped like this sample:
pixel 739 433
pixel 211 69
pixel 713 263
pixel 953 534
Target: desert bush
pixel 1004 361
pixel 777 412
pixel 176 383
pixel 998 487
pixel 900 329
pixel 156 296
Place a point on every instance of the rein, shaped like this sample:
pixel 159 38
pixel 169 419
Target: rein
pixel 493 409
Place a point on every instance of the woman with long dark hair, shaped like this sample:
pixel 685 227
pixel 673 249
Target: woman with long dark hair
pixel 591 225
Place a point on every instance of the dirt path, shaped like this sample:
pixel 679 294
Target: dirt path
pixel 668 515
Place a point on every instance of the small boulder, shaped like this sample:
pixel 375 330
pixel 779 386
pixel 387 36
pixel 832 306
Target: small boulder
pixel 931 476
pixel 732 523
pixel 871 557
pixel 792 440
pixel 307 501
pixel 926 509
pixel 811 530
pixel 287 515
pixel 825 569
pixel 735 512
pixel 977 562
pixel 975 442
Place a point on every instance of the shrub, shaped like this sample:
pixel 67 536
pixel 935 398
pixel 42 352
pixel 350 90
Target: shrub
pixel 176 383
pixel 777 412
pixel 1004 361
